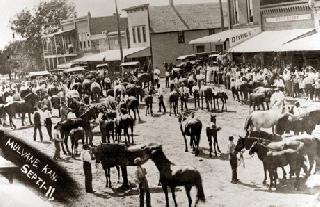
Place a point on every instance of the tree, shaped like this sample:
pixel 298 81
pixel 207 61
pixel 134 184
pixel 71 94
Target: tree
pixel 44 19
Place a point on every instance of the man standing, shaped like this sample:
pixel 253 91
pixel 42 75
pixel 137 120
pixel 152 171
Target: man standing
pixel 87 159
pixel 160 93
pixel 233 160
pixel 142 181
pixel 47 121
pixel 37 124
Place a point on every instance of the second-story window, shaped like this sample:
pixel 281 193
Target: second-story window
pixel 181 38
pixel 235 11
pixel 139 34
pixel 250 10
pixel 144 33
pixel 134 35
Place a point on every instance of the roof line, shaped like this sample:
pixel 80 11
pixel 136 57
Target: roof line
pixel 180 17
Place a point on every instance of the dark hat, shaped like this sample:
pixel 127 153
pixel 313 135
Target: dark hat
pixel 230 138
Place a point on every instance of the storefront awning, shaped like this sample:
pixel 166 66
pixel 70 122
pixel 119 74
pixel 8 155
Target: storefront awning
pixel 133 63
pixel 39 73
pixel 234 35
pixel 308 42
pixel 268 41
pixel 142 53
pixel 73 70
pixel 110 55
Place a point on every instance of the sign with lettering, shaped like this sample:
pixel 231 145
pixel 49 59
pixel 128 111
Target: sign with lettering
pixel 238 38
pixel 298 17
pixel 37 170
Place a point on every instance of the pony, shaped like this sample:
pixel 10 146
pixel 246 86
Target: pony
pixel 145 79
pixel 111 155
pixel 134 90
pixel 23 107
pixel 190 127
pixel 298 125
pixel 264 119
pixel 75 135
pixel 272 160
pixel 172 176
pixel 223 97
pixel 173 101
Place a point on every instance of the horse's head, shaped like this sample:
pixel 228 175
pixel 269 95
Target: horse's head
pixel 253 148
pixel 96 152
pixel 31 98
pixel 240 144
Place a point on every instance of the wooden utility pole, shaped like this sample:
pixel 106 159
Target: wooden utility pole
pixel 119 36
pixel 221 15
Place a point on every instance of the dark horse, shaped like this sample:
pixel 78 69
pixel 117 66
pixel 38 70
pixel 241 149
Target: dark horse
pixel 107 126
pixel 26 106
pixel 173 101
pixel 191 127
pixel 124 122
pixel 272 160
pixel 111 155
pixel 223 97
pixel 172 176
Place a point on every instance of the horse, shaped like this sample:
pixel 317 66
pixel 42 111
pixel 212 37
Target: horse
pixel 223 97
pixel 264 119
pixel 145 79
pixel 124 122
pixel 75 135
pixel 172 176
pixel 245 89
pixel 272 160
pixel 95 90
pixel 173 102
pixel 107 125
pixel 86 86
pixel 134 90
pixel 191 127
pixel 26 106
pixel 149 102
pixel 111 155
pixel 260 96
pixel 298 124
pixel 133 104
pixel 206 92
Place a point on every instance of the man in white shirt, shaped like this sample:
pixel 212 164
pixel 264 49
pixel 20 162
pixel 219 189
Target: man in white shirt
pixel 160 93
pixel 87 159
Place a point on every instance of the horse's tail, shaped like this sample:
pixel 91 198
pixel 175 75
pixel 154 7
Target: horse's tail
pixel 248 123
pixel 200 194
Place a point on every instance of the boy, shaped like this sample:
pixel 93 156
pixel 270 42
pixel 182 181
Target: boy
pixel 233 160
pixel 57 140
pixel 143 183
pixel 86 158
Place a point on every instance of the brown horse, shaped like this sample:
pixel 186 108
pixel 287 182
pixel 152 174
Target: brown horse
pixel 172 176
pixel 173 101
pixel 272 160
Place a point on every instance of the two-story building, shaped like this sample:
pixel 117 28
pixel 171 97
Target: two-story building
pixel 167 30
pixel 289 33
pixel 82 36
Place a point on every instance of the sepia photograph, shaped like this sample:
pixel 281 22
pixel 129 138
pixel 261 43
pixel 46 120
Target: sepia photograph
pixel 208 103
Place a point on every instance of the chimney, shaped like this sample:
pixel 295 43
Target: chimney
pixel 171 2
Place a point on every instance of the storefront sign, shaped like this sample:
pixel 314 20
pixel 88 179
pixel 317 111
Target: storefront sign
pixel 237 39
pixel 289 18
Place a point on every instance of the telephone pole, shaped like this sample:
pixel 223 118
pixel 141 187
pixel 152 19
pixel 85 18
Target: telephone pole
pixel 119 36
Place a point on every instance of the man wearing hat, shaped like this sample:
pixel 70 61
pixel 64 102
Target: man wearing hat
pixel 142 181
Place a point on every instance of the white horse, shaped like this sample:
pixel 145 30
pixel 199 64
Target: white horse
pixel 265 119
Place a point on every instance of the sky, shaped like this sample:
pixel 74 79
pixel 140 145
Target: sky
pixel 8 9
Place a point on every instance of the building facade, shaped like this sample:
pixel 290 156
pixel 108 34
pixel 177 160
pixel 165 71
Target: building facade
pixel 81 36
pixel 167 30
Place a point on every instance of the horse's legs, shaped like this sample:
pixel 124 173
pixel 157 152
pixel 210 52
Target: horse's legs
pixel 139 112
pixel 66 143
pixel 22 119
pixel 283 173
pixel 11 122
pixel 188 188
pixel 271 179
pixel 185 142
pixel 118 170
pixel 174 195
pixel 265 173
pixel 108 136
pixel 107 174
pixel 30 121
pixel 131 127
pixel 112 132
pixel 210 145
pixel 165 190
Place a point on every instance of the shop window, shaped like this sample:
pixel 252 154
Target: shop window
pixel 200 48
pixel 134 35
pixel 250 10
pixel 211 31
pixel 144 33
pixel 181 38
pixel 139 34
pixel 235 6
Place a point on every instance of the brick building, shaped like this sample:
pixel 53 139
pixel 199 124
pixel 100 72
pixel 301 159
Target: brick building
pixel 167 30
pixel 82 36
